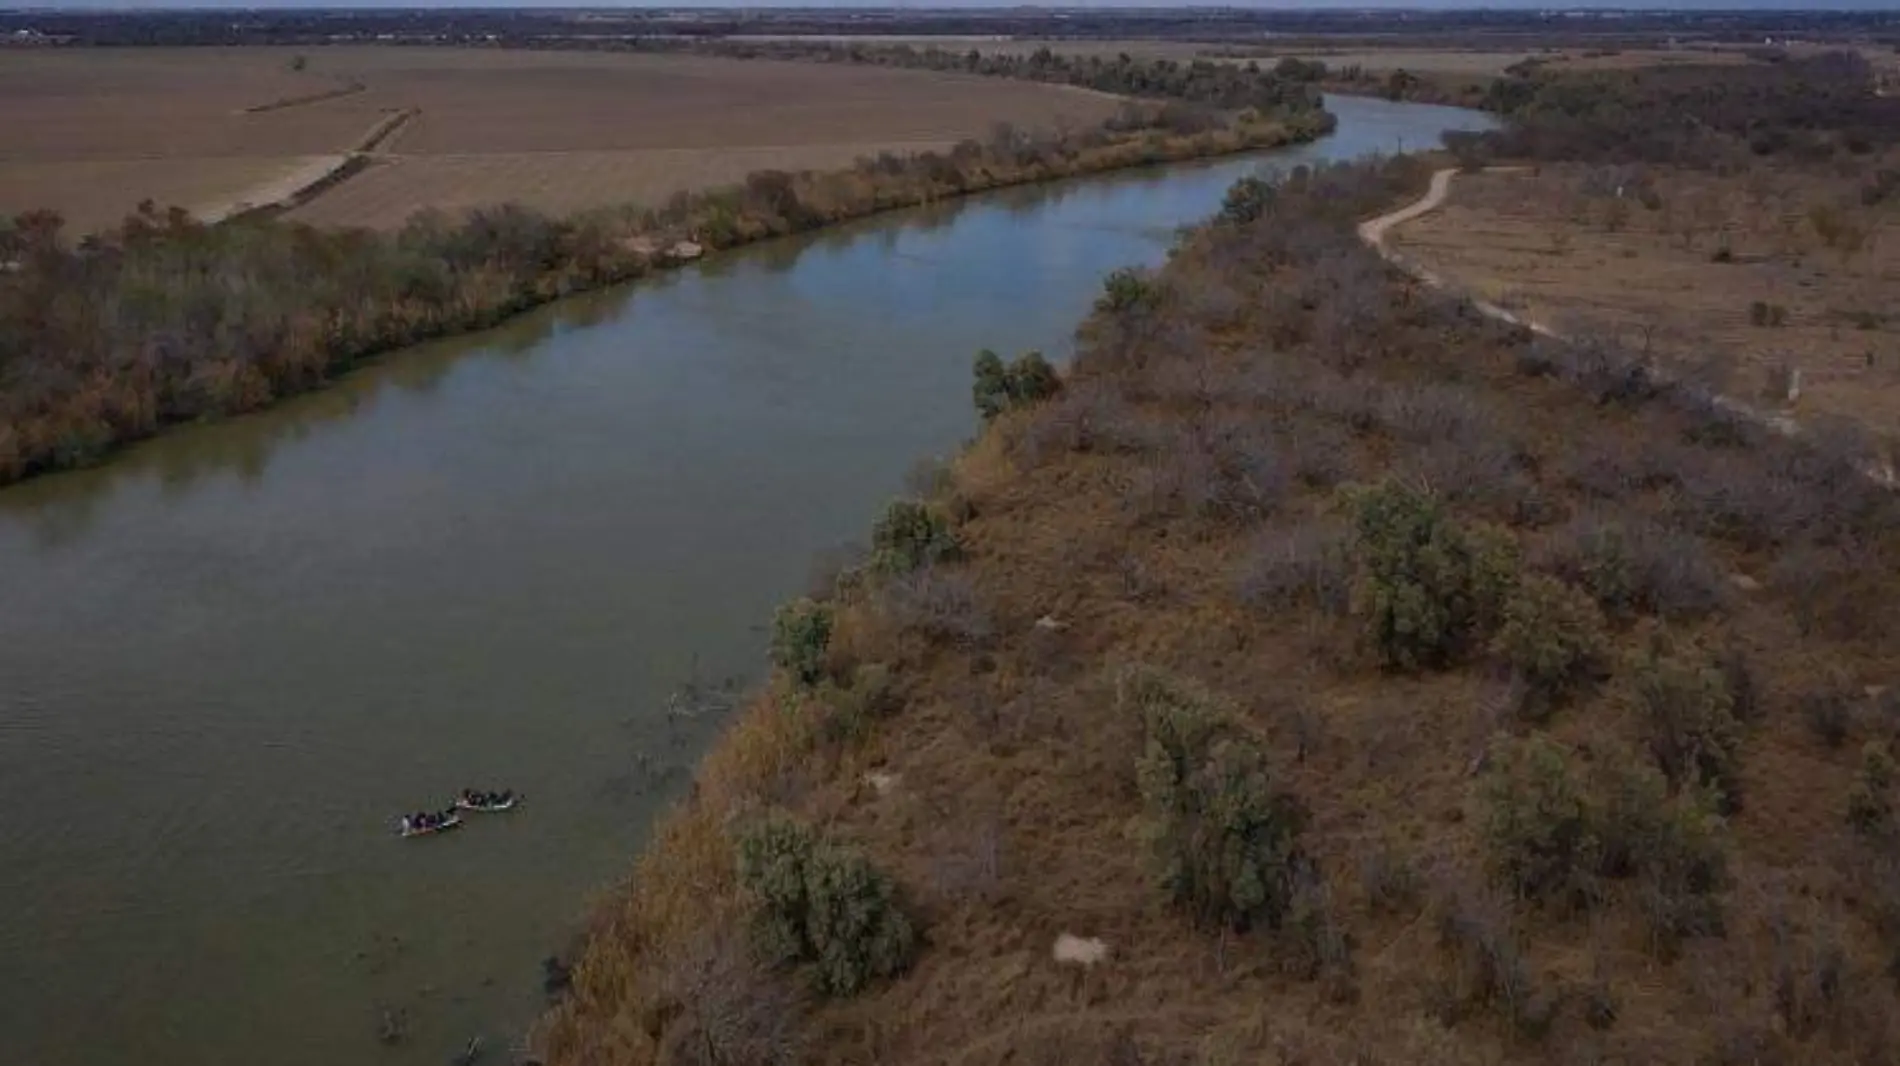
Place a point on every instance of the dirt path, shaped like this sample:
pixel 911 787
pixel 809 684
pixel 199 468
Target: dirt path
pixel 1375 232
pixel 316 175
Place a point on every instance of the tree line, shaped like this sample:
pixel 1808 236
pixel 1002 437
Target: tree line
pixel 108 338
pixel 1806 109
pixel 1201 81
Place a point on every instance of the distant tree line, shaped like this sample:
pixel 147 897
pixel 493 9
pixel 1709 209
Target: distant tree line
pixel 1337 28
pixel 1808 108
pixel 1201 81
pixel 111 337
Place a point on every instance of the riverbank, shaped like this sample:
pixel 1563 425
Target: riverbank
pixel 90 371
pixel 1251 671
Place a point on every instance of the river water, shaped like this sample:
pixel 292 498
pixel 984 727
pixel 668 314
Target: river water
pixel 229 658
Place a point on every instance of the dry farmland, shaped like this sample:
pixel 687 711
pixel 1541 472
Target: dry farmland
pixel 92 133
pixel 1764 272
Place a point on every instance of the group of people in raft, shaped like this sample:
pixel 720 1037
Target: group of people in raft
pixel 469 800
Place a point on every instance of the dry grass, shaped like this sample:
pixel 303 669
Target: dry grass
pixel 1638 58
pixel 1563 246
pixel 1022 731
pixel 562 130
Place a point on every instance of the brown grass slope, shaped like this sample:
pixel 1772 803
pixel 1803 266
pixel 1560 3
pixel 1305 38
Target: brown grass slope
pixel 973 726
pixel 1783 266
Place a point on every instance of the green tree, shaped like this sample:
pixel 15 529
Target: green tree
pixel 801 635
pixel 911 535
pixel 1553 639
pixel 1225 844
pixel 823 905
pixel 999 387
pixel 1427 587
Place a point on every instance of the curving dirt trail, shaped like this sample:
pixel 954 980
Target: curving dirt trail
pixel 1375 231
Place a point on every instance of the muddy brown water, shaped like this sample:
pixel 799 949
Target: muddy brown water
pixel 229 659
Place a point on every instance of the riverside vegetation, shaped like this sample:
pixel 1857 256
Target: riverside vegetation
pixel 113 337
pixel 1380 684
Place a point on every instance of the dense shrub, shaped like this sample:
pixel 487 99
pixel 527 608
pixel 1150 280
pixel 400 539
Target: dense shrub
pixel 801 635
pixel 1225 843
pixel 1637 566
pixel 1553 640
pixel 910 535
pixel 1128 289
pixel 823 905
pixel 1675 847
pixel 849 711
pixel 1694 115
pixel 1247 200
pixel 1556 835
pixel 1427 587
pixel 999 386
pixel 1688 710
pixel 1538 826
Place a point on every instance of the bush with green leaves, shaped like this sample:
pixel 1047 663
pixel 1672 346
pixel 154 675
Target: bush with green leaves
pixel 1538 825
pixel 1553 640
pixel 1000 387
pixel 1556 834
pixel 909 536
pixel 823 905
pixel 801 635
pixel 1687 706
pixel 1247 200
pixel 847 712
pixel 1128 289
pixel 1427 587
pixel 1225 843
pixel 1674 846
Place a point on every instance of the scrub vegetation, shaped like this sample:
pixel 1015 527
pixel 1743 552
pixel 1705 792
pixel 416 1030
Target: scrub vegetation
pixel 1745 225
pixel 1324 673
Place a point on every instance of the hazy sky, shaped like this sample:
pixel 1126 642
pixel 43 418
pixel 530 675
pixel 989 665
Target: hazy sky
pixel 1287 5
pixel 1294 5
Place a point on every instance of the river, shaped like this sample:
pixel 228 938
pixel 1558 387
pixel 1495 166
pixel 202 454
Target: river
pixel 230 657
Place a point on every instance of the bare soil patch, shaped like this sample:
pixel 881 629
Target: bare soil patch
pixel 96 193
pixel 562 130
pixel 1696 267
